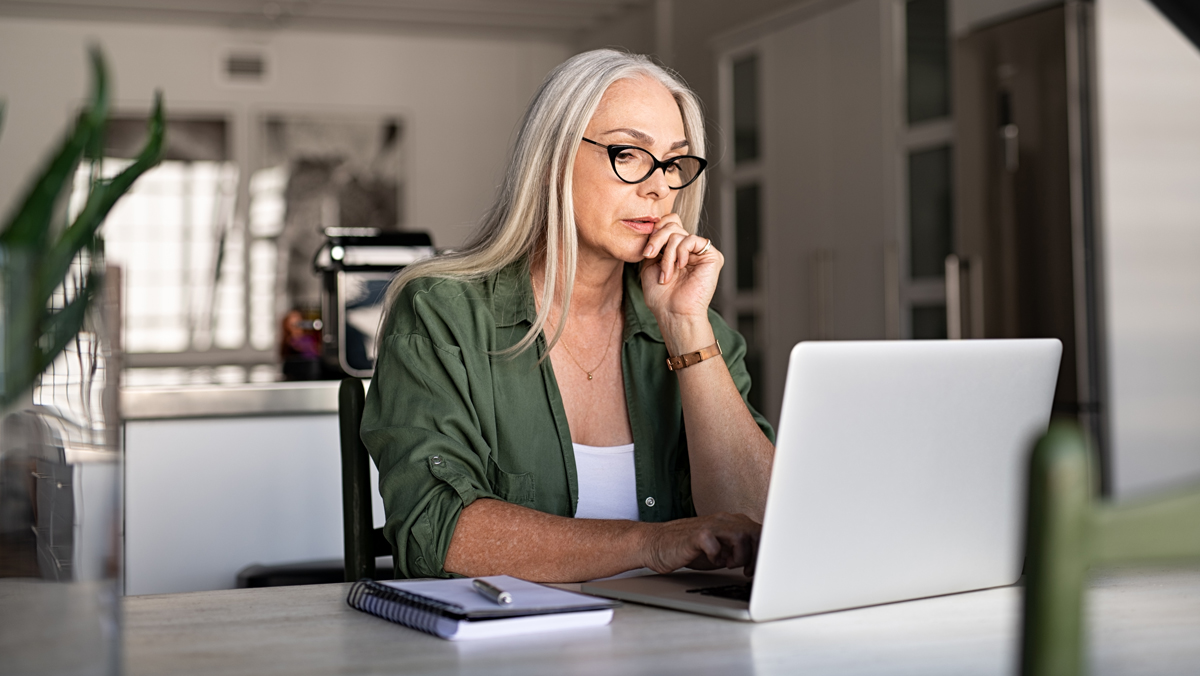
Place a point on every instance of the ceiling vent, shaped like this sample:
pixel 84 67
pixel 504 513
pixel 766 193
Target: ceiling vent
pixel 242 66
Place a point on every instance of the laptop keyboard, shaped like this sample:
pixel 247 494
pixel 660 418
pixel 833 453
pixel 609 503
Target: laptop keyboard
pixel 737 592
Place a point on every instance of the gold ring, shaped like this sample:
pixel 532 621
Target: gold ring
pixel 706 245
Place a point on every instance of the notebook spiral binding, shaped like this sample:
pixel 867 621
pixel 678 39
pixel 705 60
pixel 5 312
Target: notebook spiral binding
pixel 399 606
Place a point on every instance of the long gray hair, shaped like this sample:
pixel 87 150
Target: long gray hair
pixel 533 214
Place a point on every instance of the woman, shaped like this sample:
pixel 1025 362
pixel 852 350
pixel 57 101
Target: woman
pixel 522 415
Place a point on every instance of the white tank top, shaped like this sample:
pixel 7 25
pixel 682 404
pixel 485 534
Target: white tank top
pixel 607 482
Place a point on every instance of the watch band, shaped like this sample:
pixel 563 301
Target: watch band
pixel 685 360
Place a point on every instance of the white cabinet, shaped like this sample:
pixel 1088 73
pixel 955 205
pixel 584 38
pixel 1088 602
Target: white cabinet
pixel 207 496
pixel 828 172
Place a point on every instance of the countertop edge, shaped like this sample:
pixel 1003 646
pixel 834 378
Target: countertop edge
pixel 227 401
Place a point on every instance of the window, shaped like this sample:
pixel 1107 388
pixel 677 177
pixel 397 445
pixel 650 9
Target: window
pixel 184 258
pixel 927 50
pixel 745 109
pixel 172 236
pixel 216 248
pixel 929 322
pixel 747 224
pixel 929 211
pixel 926 158
pixel 741 293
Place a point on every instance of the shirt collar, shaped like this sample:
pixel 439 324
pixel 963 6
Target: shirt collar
pixel 512 295
pixel 512 301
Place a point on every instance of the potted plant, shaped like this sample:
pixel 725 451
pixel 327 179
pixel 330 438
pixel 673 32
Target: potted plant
pixel 58 564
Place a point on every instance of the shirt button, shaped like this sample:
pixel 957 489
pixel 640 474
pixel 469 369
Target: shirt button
pixel 650 502
pixel 437 459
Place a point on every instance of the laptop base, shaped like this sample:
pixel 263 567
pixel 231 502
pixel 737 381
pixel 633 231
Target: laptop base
pixel 672 591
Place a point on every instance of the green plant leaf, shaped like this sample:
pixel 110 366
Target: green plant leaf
pixel 64 324
pixel 30 225
pixel 21 318
pixel 100 201
pixel 35 239
pixel 98 112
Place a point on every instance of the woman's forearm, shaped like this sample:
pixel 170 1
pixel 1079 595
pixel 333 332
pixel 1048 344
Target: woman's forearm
pixel 730 456
pixel 494 537
pixel 498 538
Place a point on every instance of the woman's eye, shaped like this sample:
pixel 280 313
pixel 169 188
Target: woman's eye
pixel 673 168
pixel 626 156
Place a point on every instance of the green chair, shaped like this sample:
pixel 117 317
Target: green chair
pixel 363 541
pixel 1069 530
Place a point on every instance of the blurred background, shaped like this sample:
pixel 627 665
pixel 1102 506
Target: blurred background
pixel 880 169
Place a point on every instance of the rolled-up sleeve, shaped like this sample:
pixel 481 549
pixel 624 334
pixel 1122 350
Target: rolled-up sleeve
pixel 422 429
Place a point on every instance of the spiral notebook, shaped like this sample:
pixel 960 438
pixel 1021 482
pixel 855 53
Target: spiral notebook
pixel 452 609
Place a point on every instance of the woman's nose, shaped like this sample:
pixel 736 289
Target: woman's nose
pixel 656 186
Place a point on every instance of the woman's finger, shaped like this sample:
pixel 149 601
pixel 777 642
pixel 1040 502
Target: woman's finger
pixel 665 228
pixel 689 249
pixel 738 553
pixel 752 561
pixel 711 547
pixel 670 253
pixel 733 549
pixel 694 252
pixel 686 247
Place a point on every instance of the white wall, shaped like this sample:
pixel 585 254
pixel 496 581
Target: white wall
pixel 1149 90
pixel 460 97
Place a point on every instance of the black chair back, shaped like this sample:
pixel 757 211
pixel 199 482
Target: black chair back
pixel 363 541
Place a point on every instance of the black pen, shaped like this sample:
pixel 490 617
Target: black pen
pixel 496 594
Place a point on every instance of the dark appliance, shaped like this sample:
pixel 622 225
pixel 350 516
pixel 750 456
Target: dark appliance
pixel 356 270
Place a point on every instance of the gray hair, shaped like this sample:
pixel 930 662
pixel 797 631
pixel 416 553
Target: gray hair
pixel 533 213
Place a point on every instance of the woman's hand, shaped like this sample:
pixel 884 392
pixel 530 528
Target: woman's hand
pixel 677 280
pixel 707 542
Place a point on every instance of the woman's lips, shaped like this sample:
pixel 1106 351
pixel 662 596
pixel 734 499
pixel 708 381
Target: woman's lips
pixel 642 226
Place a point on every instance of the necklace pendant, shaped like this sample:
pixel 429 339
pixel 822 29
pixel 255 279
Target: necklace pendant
pixel 589 375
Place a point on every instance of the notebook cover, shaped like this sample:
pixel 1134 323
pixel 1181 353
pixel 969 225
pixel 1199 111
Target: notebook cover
pixel 456 598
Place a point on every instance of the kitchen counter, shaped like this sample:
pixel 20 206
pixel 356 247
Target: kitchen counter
pixel 248 399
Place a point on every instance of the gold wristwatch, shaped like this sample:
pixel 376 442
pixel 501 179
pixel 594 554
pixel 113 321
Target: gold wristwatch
pixel 685 360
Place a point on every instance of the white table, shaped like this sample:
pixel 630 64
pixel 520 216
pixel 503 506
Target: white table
pixel 1142 622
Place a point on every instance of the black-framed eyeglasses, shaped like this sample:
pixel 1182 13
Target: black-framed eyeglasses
pixel 634 165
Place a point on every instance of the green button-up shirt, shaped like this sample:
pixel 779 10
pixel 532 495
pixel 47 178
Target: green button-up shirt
pixel 449 419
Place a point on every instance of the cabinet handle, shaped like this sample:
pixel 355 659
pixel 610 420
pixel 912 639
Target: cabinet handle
pixel 953 298
pixel 959 305
pixel 1012 147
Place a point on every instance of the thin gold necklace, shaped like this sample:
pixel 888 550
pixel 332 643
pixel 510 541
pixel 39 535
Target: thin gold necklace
pixel 606 349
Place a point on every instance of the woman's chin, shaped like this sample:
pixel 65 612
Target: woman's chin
pixel 626 252
pixel 633 255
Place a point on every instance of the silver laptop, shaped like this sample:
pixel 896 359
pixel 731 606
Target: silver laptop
pixel 899 474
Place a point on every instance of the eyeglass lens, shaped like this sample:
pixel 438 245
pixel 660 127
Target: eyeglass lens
pixel 634 165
